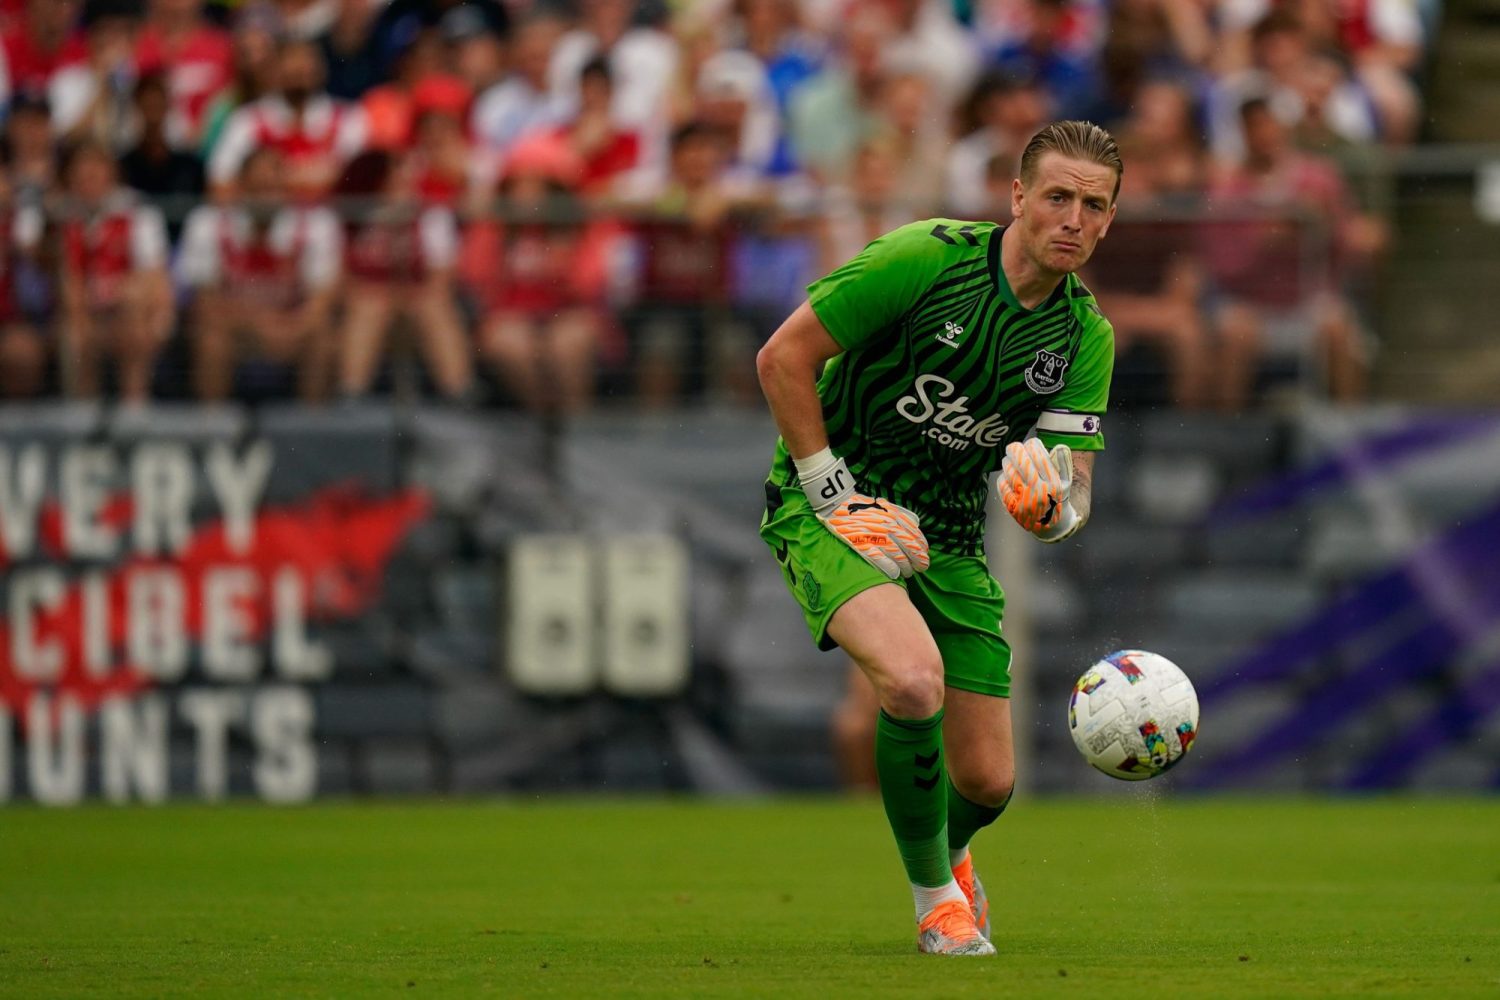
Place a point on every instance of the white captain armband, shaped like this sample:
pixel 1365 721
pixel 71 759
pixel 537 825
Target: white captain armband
pixel 1068 422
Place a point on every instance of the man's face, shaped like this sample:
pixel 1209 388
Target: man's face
pixel 300 71
pixel 696 161
pixel 1064 211
pixel 153 104
pixel 30 131
pixel 175 8
pixel 93 178
pixel 532 50
pixel 595 92
pixel 1265 137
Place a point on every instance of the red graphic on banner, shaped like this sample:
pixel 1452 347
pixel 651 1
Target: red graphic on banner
pixel 338 541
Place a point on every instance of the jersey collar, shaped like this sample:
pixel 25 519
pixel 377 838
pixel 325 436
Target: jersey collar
pixel 997 273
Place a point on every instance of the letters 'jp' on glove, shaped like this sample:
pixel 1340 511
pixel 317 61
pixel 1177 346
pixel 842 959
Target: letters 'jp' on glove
pixel 887 535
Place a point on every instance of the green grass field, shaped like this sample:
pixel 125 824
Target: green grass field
pixel 1203 898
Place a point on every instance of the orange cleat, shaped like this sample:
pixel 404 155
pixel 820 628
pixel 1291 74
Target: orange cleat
pixel 949 930
pixel 973 890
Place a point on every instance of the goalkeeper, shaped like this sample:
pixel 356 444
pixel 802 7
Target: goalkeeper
pixel 943 352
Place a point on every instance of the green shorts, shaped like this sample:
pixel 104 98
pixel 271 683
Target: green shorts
pixel 957 597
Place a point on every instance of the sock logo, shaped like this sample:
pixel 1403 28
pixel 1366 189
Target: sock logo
pixel 930 762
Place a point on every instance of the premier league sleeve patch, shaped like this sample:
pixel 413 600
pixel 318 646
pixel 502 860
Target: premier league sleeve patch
pixel 1045 376
pixel 1068 422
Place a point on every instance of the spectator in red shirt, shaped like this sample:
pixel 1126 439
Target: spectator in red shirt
pixel 400 256
pixel 391 108
pixel 607 151
pixel 262 272
pixel 116 297
pixel 1280 275
pixel 539 273
pixel 197 57
pixel 441 158
pixel 45 40
pixel 315 134
pixel 685 334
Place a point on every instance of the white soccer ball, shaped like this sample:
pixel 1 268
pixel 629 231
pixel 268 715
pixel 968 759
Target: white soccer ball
pixel 1133 714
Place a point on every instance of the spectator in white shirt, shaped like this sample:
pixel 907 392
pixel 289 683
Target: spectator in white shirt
pixel 314 133
pixel 1003 113
pixel 642 61
pixel 524 101
pixel 400 257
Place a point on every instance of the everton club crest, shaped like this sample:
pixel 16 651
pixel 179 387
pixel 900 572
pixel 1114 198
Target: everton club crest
pixel 1045 376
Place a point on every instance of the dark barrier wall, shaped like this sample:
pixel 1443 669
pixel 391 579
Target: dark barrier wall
pixel 200 603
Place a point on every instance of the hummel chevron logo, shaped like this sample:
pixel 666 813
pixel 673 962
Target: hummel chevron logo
pixel 923 763
pixel 967 232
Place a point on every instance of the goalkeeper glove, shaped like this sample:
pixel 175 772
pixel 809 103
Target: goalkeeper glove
pixel 887 535
pixel 1034 485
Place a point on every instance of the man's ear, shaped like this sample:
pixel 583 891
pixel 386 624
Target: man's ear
pixel 1017 198
pixel 1109 221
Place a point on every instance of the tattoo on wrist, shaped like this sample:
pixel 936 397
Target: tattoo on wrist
pixel 1081 494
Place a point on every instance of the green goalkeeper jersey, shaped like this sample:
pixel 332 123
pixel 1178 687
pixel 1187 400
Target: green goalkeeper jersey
pixel 942 368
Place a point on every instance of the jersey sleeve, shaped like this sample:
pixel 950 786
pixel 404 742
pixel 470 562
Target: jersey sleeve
pixel 234 146
pixel 148 239
pixel 1075 417
pixel 198 262
pixel 858 301
pixel 439 235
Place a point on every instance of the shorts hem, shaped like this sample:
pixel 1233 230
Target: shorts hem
pixel 820 634
pixel 978 687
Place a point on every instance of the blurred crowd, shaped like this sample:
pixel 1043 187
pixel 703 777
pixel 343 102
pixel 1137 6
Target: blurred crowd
pixel 534 203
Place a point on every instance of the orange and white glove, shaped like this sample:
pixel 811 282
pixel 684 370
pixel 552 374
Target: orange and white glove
pixel 1034 485
pixel 887 535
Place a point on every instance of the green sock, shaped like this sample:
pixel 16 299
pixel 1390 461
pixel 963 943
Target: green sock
pixel 967 818
pixel 909 760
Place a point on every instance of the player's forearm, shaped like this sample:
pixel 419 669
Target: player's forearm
pixel 1082 493
pixel 788 368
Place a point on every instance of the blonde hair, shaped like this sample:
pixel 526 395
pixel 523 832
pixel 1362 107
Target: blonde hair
pixel 1076 140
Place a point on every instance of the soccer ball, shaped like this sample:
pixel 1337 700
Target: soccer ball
pixel 1133 714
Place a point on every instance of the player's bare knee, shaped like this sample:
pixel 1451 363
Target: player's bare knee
pixel 913 692
pixel 989 788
